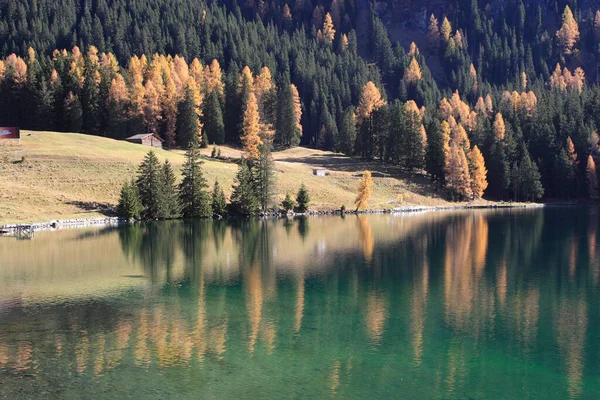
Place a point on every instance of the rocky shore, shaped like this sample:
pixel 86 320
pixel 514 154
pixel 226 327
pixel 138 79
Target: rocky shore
pixel 115 221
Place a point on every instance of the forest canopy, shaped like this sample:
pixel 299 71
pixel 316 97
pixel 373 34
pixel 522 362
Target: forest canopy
pixel 510 106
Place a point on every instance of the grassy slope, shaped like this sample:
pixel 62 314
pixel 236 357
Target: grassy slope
pixel 68 175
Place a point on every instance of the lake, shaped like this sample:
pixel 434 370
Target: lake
pixel 483 304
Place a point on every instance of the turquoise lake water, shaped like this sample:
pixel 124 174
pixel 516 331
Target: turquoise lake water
pixel 441 305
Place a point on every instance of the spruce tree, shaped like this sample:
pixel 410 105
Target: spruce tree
pixel 287 131
pixel 172 209
pixel 244 201
pixel 264 175
pixel 188 127
pixel 302 199
pixel 150 184
pixel 219 203
pixel 347 133
pixel 193 196
pixel 434 157
pixel 287 203
pixel 212 119
pixel 130 206
pixel 531 187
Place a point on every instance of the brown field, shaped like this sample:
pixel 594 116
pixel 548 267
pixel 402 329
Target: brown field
pixel 65 175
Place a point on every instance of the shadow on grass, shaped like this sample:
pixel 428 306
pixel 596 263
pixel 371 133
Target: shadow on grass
pixel 106 209
pixel 417 183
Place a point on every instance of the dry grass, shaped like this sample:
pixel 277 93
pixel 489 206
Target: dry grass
pixel 65 175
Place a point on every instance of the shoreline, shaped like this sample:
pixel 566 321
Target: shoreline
pixel 116 221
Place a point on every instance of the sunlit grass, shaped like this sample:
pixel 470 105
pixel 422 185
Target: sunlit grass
pixel 66 175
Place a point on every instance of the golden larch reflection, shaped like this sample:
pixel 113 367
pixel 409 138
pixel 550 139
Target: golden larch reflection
pixel 571 327
pixel 218 339
pixel 366 237
pixel 142 352
pixel 593 256
pixel 376 315
pixel 456 368
pixel 335 377
pixel 526 314
pixel 254 303
pixel 3 352
pixel 82 352
pixel 269 333
pixel 299 302
pixel 199 334
pixel 480 242
pixel 418 311
pixel 23 362
pixel 501 282
pixel 464 286
pixel 99 361
pixel 572 257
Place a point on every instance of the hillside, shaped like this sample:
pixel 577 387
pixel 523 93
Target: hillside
pixel 67 175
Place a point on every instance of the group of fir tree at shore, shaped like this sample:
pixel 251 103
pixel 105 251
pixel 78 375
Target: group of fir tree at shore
pixel 155 194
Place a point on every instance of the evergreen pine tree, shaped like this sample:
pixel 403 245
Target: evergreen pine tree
pixel 243 199
pixel 287 203
pixel 302 199
pixel 434 157
pixel 212 119
pixel 172 209
pixel 287 131
pixel 188 127
pixel 130 206
pixel 529 185
pixel 193 197
pixel 264 173
pixel 347 133
pixel 219 203
pixel 150 184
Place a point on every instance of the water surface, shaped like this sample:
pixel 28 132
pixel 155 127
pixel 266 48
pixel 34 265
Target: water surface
pixel 444 305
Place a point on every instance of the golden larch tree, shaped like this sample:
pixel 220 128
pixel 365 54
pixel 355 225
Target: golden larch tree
pixel 3 69
pixel 433 33
pixel 345 41
pixel 499 127
pixel 445 128
pixel 16 69
pixel 458 39
pixel 196 70
pixel 458 178
pixel 297 106
pixel 523 80
pixel 571 154
pixel 473 73
pixel 370 100
pixel 480 106
pixel 478 173
pixel 152 106
pixel 412 74
pixel 117 92
pixel 365 188
pixel 413 50
pixel 592 178
pixel 263 84
pixel 328 29
pixel 460 137
pixel 445 29
pixel 251 127
pixel 136 86
pixel 568 34
pixel 286 13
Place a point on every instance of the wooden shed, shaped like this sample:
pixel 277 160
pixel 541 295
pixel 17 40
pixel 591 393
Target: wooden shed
pixel 146 139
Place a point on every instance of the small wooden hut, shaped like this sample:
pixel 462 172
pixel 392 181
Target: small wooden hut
pixel 146 139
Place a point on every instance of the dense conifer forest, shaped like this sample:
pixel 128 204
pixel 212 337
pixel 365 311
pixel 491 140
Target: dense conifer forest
pixel 508 106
